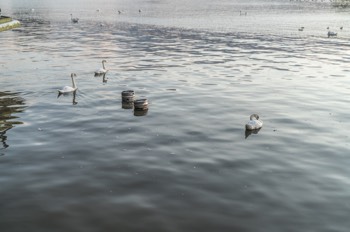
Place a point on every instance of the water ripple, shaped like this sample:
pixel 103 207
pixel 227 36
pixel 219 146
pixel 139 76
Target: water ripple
pixel 187 164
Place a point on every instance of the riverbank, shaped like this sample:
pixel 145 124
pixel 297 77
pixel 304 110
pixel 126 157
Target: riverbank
pixel 7 23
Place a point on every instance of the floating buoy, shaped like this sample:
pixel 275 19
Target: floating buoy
pixel 128 96
pixel 141 104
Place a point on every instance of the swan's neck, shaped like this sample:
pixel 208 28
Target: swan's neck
pixel 73 82
pixel 103 65
pixel 254 117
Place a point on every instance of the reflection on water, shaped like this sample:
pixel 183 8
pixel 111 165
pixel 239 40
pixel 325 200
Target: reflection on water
pixel 127 105
pixel 104 78
pixel 31 17
pixel 73 94
pixel 140 112
pixel 10 105
pixel 249 132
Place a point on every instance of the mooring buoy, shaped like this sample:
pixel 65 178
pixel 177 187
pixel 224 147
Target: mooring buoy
pixel 128 96
pixel 141 104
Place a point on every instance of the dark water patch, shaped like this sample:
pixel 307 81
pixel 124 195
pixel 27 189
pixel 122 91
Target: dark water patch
pixel 11 105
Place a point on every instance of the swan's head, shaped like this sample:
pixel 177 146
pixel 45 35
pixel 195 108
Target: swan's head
pixel 254 116
pixel 104 61
pixel 73 75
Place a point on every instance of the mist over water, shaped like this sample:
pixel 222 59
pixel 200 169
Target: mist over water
pixel 88 162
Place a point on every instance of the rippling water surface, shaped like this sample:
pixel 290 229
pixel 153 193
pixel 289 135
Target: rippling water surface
pixel 85 163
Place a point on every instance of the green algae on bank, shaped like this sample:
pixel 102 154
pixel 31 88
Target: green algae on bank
pixel 7 23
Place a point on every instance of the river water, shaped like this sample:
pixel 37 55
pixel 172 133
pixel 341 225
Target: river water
pixel 85 162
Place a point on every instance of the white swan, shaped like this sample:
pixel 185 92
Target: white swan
pixel 74 20
pixel 254 123
pixel 102 70
pixel 68 89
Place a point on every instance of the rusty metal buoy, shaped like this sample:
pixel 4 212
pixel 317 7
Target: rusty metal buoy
pixel 141 104
pixel 128 96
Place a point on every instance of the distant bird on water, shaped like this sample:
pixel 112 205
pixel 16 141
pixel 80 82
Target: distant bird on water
pixel 331 34
pixel 74 20
pixel 301 29
pixel 254 123
pixel 102 70
pixel 242 13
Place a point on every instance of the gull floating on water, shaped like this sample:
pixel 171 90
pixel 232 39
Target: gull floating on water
pixel 254 123
pixel 102 70
pixel 68 89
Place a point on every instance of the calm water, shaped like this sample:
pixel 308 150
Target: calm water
pixel 85 163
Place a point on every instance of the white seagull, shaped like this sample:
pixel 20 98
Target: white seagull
pixel 102 70
pixel 68 89
pixel 254 123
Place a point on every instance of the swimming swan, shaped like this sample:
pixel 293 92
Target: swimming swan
pixel 102 70
pixel 68 89
pixel 74 20
pixel 254 123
